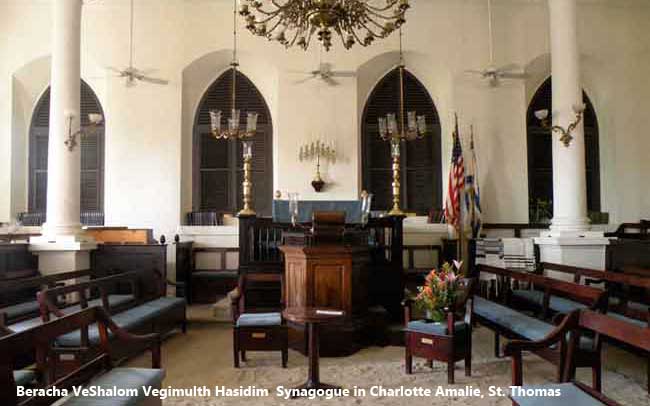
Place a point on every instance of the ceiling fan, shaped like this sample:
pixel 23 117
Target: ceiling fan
pixel 325 73
pixel 131 73
pixel 493 73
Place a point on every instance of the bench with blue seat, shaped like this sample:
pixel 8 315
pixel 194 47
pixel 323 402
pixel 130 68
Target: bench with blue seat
pixel 514 324
pixel 23 290
pixel 574 326
pixel 97 372
pixel 131 312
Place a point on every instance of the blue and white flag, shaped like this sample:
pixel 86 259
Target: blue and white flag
pixel 473 192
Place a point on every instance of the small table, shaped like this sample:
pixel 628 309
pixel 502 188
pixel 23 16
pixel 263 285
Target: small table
pixel 311 317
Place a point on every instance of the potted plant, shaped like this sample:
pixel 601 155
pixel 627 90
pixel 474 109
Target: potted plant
pixel 440 291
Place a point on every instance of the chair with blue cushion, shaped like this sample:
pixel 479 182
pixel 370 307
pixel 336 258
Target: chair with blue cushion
pixel 449 341
pixel 258 329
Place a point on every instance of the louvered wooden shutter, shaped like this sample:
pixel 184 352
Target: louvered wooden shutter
pixel 421 159
pixel 92 155
pixel 218 164
pixel 540 150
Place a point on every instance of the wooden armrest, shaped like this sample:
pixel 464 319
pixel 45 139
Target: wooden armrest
pixel 515 347
pixel 153 338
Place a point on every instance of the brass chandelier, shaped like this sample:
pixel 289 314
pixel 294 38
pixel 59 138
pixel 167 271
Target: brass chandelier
pixel 294 22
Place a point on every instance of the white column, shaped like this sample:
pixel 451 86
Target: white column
pixel 569 241
pixel 569 170
pixel 63 247
pixel 63 167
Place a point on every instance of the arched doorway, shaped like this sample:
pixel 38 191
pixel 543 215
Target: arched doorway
pixel 421 159
pixel 217 163
pixel 540 154
pixel 92 158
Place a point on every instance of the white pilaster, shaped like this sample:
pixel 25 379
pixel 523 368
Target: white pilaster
pixel 569 170
pixel 63 247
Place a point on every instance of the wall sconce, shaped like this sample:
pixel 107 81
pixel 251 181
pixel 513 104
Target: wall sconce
pixel 317 150
pixel 95 120
pixel 566 137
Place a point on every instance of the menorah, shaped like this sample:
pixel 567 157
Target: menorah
pixel 317 150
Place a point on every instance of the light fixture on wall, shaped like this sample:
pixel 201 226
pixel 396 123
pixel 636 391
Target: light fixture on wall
pixel 566 137
pixel 95 120
pixel 294 22
pixel 234 131
pixel 317 150
pixel 405 127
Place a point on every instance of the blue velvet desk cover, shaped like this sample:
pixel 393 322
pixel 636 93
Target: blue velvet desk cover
pixel 352 209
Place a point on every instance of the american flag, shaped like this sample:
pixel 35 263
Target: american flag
pixel 456 182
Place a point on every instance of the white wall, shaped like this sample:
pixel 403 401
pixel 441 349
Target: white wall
pixel 148 134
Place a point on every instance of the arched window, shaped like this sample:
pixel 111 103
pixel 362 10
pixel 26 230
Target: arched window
pixel 217 164
pixel 540 153
pixel 92 157
pixel 421 159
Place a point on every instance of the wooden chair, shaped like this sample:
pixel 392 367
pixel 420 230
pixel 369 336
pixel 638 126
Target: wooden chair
pixel 447 342
pixel 574 324
pixel 96 372
pixel 258 331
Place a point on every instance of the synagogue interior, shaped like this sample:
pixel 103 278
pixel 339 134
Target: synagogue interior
pixel 352 202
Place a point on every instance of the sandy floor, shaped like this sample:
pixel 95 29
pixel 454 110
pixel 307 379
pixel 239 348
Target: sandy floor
pixel 203 357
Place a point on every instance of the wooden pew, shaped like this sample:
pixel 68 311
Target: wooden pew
pixel 16 261
pixel 638 231
pixel 137 314
pixel 575 323
pixel 97 371
pixel 24 305
pixel 514 325
pixel 203 285
pixel 618 285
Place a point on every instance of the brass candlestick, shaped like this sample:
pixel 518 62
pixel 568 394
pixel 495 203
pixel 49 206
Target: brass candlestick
pixel 407 126
pixel 395 152
pixel 248 180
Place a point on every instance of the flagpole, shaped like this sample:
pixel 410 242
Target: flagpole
pixel 460 204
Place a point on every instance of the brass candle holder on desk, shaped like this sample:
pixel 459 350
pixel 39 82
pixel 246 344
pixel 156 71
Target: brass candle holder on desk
pixel 317 150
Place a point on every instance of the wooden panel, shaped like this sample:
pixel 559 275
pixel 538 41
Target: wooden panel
pixel 121 235
pixel 295 280
pixel 330 287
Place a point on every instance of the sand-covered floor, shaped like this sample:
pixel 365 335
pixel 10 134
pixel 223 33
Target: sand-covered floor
pixel 203 357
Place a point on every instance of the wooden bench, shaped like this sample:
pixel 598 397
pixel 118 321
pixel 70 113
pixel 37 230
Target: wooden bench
pixel 203 285
pixel 574 324
pixel 24 290
pixel 135 313
pixel 617 285
pixel 98 371
pixel 512 324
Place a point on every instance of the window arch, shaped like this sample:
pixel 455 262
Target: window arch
pixel 217 164
pixel 540 151
pixel 92 157
pixel 421 159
